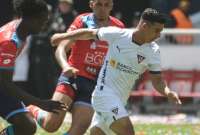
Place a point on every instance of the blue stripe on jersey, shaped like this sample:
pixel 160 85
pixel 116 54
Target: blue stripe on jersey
pixel 89 21
pixel 104 75
pixel 16 39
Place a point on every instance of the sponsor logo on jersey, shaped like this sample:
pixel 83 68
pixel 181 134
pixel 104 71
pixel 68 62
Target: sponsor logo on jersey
pixel 91 70
pixel 7 54
pixel 113 63
pixel 99 44
pixel 122 67
pixel 7 61
pixel 95 58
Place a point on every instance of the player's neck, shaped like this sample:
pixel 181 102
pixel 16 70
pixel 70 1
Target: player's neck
pixel 23 30
pixel 102 22
pixel 137 38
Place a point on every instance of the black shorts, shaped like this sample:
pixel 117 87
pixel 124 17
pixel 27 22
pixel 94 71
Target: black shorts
pixel 10 106
pixel 82 88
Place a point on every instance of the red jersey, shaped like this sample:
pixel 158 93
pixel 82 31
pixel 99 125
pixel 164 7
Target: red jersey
pixel 88 55
pixel 10 45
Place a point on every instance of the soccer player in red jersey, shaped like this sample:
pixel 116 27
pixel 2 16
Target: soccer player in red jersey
pixel 33 15
pixel 79 73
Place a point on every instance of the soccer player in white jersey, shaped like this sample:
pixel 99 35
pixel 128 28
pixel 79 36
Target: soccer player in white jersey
pixel 130 54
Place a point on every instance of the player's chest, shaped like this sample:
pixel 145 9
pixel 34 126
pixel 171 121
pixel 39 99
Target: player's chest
pixel 131 57
pixel 91 46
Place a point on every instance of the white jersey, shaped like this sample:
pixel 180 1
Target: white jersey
pixel 124 62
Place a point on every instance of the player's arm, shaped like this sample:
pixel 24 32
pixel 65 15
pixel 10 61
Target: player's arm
pixel 11 89
pixel 162 88
pixel 61 51
pixel 79 34
pixel 8 87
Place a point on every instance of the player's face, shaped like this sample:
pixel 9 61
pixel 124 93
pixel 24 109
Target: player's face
pixel 101 8
pixel 153 31
pixel 39 22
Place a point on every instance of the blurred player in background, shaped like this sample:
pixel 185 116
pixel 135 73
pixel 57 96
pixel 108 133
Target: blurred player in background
pixel 79 73
pixel 130 54
pixel 33 16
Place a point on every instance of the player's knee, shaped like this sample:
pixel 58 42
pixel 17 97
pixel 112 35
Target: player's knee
pixel 27 129
pixel 129 131
pixel 96 131
pixel 124 131
pixel 24 123
pixel 30 129
pixel 123 127
pixel 81 126
pixel 51 126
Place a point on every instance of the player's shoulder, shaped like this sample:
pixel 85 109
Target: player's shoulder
pixel 7 31
pixel 81 16
pixel 154 48
pixel 78 21
pixel 115 21
pixel 112 29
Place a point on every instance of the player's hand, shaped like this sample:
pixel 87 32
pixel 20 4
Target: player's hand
pixel 70 72
pixel 173 96
pixel 52 106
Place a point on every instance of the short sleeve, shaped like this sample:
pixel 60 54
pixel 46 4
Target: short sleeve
pixel 109 34
pixel 76 24
pixel 155 59
pixel 8 51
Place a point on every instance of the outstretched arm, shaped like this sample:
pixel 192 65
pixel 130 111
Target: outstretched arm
pixel 80 34
pixel 162 88
pixel 8 87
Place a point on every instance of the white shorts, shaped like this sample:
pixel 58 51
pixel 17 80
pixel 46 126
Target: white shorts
pixel 108 109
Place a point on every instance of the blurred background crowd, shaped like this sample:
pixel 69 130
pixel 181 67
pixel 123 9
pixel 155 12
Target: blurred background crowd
pixel 41 69
pixel 125 10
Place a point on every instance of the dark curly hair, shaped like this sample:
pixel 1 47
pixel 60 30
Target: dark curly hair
pixel 29 8
pixel 152 15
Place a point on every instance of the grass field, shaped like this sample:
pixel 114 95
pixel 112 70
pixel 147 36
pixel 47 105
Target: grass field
pixel 141 129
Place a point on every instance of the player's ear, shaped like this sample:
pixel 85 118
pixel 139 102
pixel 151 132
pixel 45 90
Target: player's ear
pixel 144 25
pixel 91 4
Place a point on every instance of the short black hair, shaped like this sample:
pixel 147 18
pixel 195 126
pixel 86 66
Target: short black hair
pixel 29 8
pixel 152 15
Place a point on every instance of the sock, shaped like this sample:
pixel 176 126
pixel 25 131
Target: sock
pixel 41 115
pixel 7 131
pixel 38 114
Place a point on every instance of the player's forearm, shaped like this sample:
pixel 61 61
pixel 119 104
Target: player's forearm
pixel 61 57
pixel 80 34
pixel 161 88
pixel 11 89
pixel 61 52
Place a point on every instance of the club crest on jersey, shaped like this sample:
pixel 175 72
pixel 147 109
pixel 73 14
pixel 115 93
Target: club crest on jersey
pixel 140 58
pixel 93 45
pixel 115 110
